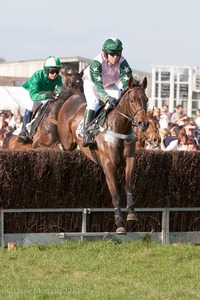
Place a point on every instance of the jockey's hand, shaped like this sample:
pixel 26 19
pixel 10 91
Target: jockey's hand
pixel 55 96
pixel 49 95
pixel 110 103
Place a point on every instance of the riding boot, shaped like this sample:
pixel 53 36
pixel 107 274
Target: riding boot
pixel 87 138
pixel 23 135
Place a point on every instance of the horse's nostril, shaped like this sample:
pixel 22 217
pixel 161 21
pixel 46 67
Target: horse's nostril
pixel 141 125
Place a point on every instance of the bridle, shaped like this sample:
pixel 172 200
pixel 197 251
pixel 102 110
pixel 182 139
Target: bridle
pixel 131 116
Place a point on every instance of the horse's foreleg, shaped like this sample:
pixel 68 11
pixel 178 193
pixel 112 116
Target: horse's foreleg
pixel 131 216
pixel 110 175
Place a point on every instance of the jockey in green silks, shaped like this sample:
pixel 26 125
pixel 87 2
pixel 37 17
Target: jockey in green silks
pixel 43 86
pixel 104 79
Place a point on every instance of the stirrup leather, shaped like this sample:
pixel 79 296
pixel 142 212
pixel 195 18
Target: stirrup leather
pixel 88 140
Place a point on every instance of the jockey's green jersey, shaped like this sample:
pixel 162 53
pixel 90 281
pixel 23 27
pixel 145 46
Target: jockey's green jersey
pixel 39 82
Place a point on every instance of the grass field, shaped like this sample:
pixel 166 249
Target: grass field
pixel 101 270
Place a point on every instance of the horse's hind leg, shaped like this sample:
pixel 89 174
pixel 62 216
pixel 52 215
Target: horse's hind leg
pixel 109 172
pixel 131 216
pixel 119 222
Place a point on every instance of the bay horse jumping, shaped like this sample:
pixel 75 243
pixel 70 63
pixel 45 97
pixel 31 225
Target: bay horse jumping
pixel 149 139
pixel 115 142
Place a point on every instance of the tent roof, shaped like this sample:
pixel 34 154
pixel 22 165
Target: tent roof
pixel 12 97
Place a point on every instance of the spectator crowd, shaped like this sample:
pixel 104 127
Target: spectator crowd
pixel 9 121
pixel 177 130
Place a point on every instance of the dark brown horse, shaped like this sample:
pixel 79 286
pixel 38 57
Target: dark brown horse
pixel 46 135
pixel 150 139
pixel 115 143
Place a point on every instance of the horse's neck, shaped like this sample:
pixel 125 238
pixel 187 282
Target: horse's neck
pixel 119 123
pixel 54 108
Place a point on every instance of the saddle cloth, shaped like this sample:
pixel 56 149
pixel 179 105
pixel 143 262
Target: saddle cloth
pixel 31 127
pixel 95 125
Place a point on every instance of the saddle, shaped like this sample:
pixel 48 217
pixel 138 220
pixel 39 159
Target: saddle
pixel 37 118
pixel 99 119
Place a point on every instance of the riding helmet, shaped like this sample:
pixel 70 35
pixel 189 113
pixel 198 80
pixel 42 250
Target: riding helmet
pixel 52 62
pixel 112 44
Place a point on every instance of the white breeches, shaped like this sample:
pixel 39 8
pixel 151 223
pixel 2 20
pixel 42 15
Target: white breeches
pixel 93 98
pixel 28 103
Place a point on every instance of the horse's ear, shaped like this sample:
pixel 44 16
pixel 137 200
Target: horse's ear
pixel 144 83
pixel 150 112
pixel 82 72
pixel 132 82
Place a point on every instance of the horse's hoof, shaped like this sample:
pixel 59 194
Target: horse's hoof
pixel 131 217
pixel 121 230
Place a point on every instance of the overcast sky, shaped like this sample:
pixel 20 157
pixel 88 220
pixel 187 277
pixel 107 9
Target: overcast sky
pixel 152 31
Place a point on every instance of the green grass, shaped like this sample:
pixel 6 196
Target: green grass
pixel 101 270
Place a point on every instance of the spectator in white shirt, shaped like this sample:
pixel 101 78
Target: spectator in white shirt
pixel 164 119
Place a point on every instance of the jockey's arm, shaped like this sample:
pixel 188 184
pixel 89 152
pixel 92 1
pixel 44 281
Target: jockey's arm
pixel 38 87
pixel 125 74
pixel 96 76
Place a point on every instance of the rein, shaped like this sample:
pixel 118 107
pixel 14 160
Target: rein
pixel 131 119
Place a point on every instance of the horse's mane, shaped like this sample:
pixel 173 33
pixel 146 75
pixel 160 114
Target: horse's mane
pixel 72 78
pixel 131 84
pixel 67 92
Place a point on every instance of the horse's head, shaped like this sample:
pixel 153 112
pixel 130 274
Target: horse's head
pixel 72 79
pixel 136 103
pixel 152 133
pixel 152 136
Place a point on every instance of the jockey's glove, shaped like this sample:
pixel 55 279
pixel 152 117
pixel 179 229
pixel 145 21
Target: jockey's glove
pixel 49 95
pixel 111 103
pixel 55 95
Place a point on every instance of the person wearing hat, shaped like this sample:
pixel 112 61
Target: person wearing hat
pixel 44 85
pixel 104 80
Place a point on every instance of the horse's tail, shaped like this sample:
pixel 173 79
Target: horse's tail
pixel 7 137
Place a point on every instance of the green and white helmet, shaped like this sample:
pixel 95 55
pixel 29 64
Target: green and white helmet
pixel 112 44
pixel 52 62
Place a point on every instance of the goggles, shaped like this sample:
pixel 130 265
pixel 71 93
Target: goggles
pixel 53 71
pixel 114 53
